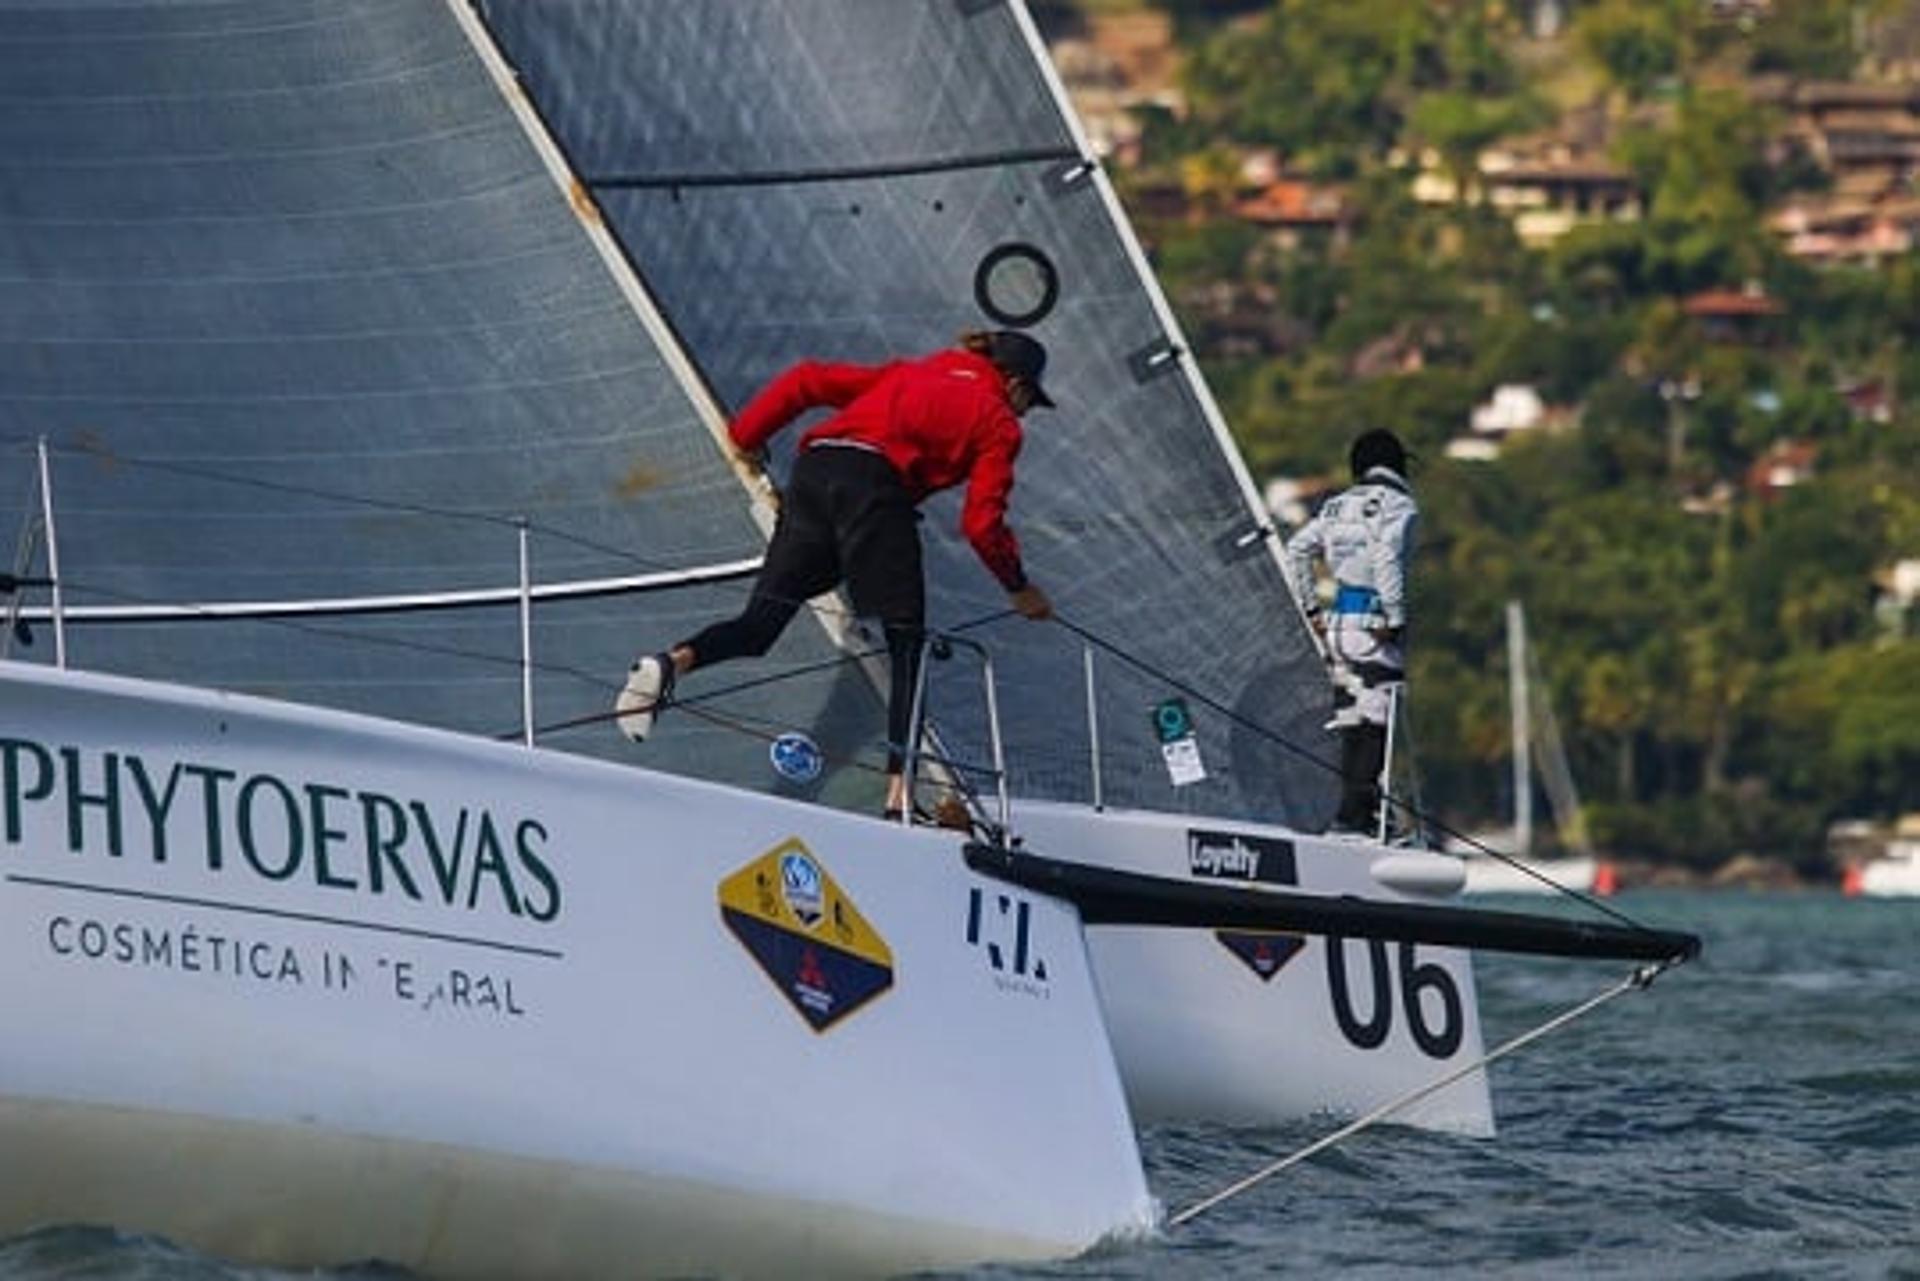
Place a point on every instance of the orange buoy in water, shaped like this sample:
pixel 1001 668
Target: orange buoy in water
pixel 1605 882
pixel 1853 881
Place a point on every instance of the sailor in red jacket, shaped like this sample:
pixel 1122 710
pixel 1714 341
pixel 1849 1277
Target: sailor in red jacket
pixel 904 430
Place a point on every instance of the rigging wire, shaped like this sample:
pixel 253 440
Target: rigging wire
pixel 1642 977
pixel 734 723
pixel 357 638
pixel 954 783
pixel 1313 758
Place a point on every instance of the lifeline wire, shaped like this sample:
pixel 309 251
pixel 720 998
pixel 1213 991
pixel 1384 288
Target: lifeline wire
pixel 1641 977
pixel 437 513
pixel 772 678
pixel 378 504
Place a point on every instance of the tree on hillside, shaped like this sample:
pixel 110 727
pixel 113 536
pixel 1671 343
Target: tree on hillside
pixel 1640 44
pixel 1332 84
pixel 1460 124
pixel 1707 176
pixel 1811 38
pixel 1843 729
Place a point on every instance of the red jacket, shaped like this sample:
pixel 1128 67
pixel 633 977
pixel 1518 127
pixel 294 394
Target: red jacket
pixel 939 420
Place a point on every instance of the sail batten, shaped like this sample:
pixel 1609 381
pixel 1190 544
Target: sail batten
pixel 851 173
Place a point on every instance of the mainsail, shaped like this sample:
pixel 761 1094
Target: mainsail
pixel 858 179
pixel 307 321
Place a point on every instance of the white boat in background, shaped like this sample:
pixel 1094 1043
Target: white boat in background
pixel 1895 873
pixel 1514 868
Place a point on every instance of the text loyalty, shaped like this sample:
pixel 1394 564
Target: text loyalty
pixel 338 838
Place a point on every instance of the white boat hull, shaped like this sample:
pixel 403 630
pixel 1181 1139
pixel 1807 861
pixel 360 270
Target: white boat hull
pixel 306 988
pixel 289 1195
pixel 1203 1034
pixel 1894 875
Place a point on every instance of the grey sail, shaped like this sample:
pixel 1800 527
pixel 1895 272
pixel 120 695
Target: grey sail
pixel 304 317
pixel 858 179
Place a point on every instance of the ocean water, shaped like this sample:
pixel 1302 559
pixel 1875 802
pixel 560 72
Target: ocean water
pixel 1754 1114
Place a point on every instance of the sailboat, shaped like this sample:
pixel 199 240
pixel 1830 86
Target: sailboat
pixel 323 413
pixel 856 179
pixel 330 413
pixel 1518 870
pixel 1895 871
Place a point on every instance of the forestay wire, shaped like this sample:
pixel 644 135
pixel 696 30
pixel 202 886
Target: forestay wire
pixel 1643 976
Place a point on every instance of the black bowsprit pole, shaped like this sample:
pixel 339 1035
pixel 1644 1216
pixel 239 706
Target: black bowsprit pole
pixel 1108 897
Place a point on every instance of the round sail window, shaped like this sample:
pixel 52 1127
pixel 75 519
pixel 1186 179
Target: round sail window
pixel 1016 284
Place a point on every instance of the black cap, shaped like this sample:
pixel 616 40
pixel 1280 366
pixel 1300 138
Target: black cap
pixel 1020 356
pixel 1377 448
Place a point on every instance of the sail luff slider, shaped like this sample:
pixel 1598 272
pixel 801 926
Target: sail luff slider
pixel 1106 896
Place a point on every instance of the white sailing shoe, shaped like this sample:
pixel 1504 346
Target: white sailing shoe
pixel 649 685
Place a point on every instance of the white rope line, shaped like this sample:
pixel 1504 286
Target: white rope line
pixel 1641 977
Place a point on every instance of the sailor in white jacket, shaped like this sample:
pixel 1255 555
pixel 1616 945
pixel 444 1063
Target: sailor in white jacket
pixel 1364 535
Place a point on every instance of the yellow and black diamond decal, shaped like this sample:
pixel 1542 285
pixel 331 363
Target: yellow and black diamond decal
pixel 804 931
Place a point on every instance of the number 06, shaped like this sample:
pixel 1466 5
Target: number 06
pixel 1416 977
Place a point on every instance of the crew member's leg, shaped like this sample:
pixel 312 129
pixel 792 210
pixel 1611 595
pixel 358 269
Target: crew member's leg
pixel 1363 750
pixel 879 540
pixel 801 562
pixel 1372 668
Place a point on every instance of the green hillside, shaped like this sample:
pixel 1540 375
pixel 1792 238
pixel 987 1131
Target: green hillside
pixel 1713 298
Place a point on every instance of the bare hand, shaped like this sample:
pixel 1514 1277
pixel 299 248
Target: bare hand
pixel 1032 603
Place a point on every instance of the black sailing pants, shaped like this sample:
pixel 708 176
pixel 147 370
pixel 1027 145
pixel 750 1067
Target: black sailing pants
pixel 1363 750
pixel 845 517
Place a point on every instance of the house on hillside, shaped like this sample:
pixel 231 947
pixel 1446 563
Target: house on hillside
pixel 1547 196
pixel 1869 400
pixel 1866 135
pixel 1838 229
pixel 1513 409
pixel 1113 64
pixel 1546 184
pixel 1291 500
pixel 1785 463
pixel 1898 603
pixel 1296 213
pixel 1241 318
pixel 1402 351
pixel 1744 315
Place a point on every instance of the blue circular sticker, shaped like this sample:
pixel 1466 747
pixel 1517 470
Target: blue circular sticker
pixel 796 757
